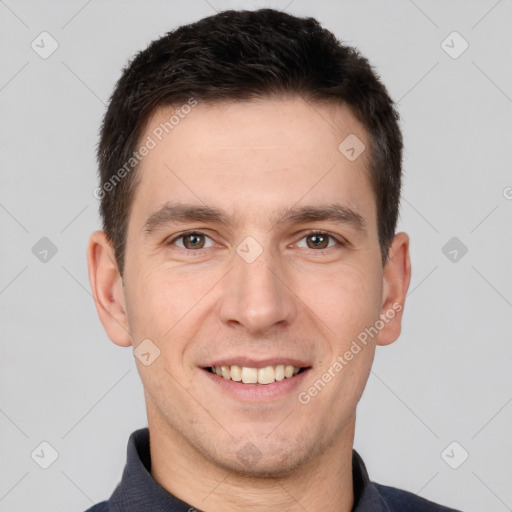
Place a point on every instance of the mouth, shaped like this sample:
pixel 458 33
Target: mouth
pixel 262 375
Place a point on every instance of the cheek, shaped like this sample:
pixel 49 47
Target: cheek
pixel 161 310
pixel 347 300
pixel 163 301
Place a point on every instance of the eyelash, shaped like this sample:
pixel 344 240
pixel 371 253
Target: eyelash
pixel 310 232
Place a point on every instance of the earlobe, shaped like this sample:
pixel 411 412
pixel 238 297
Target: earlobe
pixel 107 289
pixel 396 279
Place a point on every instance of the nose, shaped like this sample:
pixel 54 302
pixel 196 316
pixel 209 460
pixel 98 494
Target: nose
pixel 258 295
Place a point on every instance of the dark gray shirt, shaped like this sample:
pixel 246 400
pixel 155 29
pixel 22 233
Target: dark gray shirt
pixel 138 491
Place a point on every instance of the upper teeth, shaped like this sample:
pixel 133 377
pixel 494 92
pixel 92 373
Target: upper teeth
pixel 265 375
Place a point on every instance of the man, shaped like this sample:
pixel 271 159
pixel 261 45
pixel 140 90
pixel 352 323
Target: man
pixel 250 179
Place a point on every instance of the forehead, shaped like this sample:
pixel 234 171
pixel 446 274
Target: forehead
pixel 254 157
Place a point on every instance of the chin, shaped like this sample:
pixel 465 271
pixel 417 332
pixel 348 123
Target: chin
pixel 263 459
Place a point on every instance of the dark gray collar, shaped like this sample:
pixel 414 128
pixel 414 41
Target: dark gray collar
pixel 139 491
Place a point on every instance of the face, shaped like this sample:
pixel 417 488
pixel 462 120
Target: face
pixel 252 267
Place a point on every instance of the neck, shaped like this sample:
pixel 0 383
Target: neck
pixel 322 484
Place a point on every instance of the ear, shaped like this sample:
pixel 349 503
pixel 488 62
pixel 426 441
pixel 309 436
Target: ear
pixel 396 279
pixel 107 289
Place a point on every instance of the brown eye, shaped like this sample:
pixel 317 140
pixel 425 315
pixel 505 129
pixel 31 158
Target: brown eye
pixel 191 240
pixel 318 241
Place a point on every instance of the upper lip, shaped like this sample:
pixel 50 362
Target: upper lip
pixel 258 363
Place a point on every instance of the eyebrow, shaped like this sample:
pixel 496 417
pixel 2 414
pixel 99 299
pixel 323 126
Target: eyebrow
pixel 178 213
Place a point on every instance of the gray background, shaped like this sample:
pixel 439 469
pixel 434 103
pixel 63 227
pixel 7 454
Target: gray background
pixel 448 378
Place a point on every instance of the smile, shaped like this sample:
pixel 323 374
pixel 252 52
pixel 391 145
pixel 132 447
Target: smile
pixel 248 375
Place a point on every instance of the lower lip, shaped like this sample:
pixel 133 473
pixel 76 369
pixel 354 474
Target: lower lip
pixel 258 392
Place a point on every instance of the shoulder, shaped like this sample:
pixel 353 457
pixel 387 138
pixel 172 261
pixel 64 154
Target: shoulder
pixel 404 501
pixel 99 507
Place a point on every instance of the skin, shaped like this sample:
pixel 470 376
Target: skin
pixel 254 160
